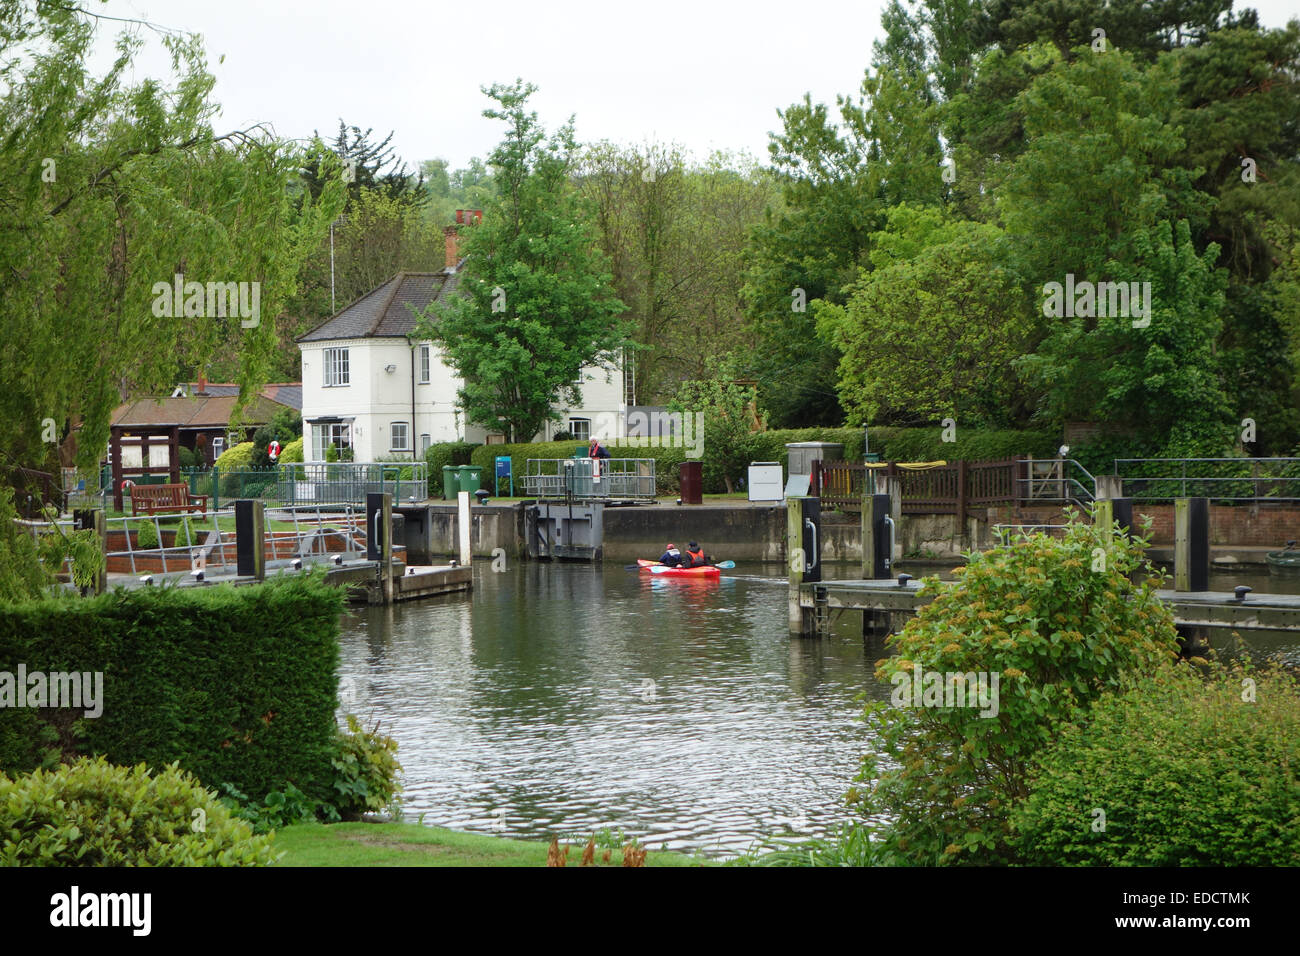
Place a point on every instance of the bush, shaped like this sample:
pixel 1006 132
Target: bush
pixel 365 772
pixel 146 535
pixel 280 808
pixel 187 458
pixel 1058 622
pixel 237 684
pixel 1186 772
pixel 236 457
pixel 92 813
pixel 293 451
pixel 446 453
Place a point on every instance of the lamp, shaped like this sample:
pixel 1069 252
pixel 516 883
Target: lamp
pixel 390 368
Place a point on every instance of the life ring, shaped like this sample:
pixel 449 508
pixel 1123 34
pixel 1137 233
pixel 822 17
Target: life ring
pixel 127 483
pixel 273 450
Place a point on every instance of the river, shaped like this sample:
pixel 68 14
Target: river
pixel 563 699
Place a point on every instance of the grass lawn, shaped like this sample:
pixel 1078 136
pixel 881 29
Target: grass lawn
pixel 409 844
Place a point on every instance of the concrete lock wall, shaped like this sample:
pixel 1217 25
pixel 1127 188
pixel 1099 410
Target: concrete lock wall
pixel 729 534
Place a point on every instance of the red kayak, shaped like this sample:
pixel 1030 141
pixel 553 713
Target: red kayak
pixel 707 571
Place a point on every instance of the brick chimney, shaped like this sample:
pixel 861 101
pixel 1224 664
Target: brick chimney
pixel 203 384
pixel 453 247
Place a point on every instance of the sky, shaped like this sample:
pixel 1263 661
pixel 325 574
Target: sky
pixel 706 74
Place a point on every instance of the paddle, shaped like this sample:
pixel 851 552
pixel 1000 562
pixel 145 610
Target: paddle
pixel 631 567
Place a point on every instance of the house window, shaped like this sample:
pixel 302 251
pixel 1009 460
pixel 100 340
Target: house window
pixel 329 433
pixel 218 446
pixel 400 440
pixel 425 442
pixel 425 362
pixel 580 428
pixel 336 367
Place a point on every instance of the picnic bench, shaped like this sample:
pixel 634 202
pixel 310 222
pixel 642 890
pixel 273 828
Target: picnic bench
pixel 166 499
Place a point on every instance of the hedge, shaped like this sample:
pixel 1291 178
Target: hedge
pixel 237 684
pixel 447 453
pixel 236 456
pixel 892 444
pixel 1175 771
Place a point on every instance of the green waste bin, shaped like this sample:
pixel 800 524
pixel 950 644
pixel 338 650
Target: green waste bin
pixel 471 476
pixel 450 481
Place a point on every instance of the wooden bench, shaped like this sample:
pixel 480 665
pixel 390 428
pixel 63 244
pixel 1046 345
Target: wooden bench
pixel 165 499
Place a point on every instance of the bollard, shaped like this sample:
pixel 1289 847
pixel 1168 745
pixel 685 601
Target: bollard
pixel 463 527
pixel 876 558
pixel 250 539
pixel 795 564
pixel 1192 544
pixel 379 539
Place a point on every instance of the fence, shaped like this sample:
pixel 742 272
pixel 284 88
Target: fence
pixel 1224 480
pixel 926 489
pixel 617 478
pixel 311 483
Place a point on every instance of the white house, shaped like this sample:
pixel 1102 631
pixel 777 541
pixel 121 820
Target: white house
pixel 366 387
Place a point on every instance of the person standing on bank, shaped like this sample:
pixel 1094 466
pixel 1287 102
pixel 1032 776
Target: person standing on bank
pixel 596 451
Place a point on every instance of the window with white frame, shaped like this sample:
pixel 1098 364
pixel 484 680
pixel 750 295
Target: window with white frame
pixel 580 429
pixel 324 434
pixel 336 367
pixel 400 437
pixel 425 442
pixel 426 363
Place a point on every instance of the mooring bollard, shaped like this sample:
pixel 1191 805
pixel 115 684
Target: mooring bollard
pixel 463 527
pixel 1191 544
pixel 379 535
pixel 250 539
pixel 877 561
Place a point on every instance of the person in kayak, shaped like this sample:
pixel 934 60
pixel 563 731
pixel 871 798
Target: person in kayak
pixel 671 557
pixel 694 557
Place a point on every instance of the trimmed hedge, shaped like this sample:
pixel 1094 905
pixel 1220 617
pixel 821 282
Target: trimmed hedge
pixel 1187 772
pixel 236 456
pixel 892 444
pixel 448 453
pixel 238 685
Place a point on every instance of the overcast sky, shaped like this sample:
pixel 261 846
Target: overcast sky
pixel 705 74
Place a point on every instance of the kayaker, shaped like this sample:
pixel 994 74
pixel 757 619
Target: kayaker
pixel 671 557
pixel 694 557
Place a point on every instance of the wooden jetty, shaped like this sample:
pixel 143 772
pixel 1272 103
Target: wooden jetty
pixel 885 601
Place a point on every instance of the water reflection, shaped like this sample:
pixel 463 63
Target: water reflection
pixel 570 698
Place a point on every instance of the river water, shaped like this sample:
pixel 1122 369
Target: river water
pixel 569 698
pixel 563 699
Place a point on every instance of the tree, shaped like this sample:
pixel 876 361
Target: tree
pixel 729 417
pixel 674 231
pixel 110 191
pixel 536 304
pixel 934 329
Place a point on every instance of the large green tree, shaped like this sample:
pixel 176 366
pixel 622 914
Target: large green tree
pixel 934 328
pixel 110 188
pixel 536 304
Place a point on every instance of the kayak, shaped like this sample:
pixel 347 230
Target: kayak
pixel 707 571
pixel 1285 562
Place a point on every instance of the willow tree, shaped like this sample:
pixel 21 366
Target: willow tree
pixel 110 189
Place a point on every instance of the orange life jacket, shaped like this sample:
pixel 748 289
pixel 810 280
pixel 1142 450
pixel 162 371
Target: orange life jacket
pixel 697 557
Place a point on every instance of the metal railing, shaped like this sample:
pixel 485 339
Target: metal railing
pixel 582 478
pixel 312 483
pixel 1220 479
pixel 208 543
pixel 1057 481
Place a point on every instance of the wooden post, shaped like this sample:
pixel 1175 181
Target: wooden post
pixel 115 450
pixel 1103 516
pixel 87 519
pixel 173 454
pixel 794 558
pixel 961 495
pixel 250 539
pixel 868 528
pixel 1191 544
pixel 893 486
pixel 463 527
pixel 386 555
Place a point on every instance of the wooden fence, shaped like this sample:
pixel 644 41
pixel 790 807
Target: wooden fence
pixel 944 489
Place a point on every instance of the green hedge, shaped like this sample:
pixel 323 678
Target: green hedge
pixel 237 684
pixel 1187 772
pixel 892 444
pixel 448 453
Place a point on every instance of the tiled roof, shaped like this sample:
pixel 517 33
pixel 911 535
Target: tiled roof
pixel 390 310
pixel 211 412
pixel 286 393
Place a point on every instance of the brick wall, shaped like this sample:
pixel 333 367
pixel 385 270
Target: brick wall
pixel 1230 525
